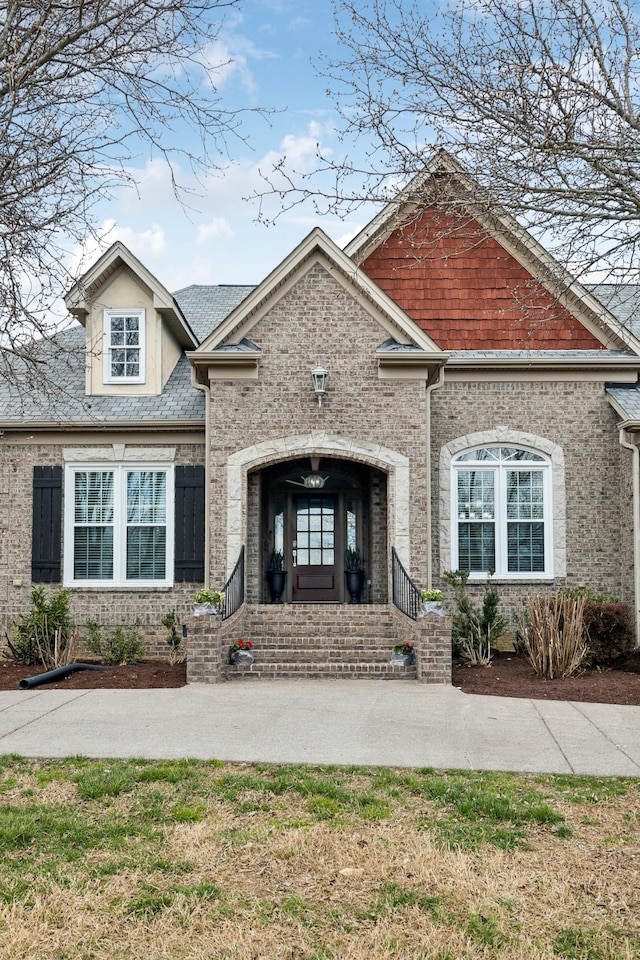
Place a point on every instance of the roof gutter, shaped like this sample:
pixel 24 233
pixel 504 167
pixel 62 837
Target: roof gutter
pixel 544 363
pixel 110 426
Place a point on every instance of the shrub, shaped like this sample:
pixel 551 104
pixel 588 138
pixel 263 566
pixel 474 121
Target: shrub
pixel 552 632
pixel 174 639
pixel 474 628
pixel 44 636
pixel 124 645
pixel 610 631
pixel 586 593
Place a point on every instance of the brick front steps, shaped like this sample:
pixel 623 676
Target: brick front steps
pixel 320 640
pixel 315 641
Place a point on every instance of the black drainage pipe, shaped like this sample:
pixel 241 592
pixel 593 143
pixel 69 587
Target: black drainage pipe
pixel 52 675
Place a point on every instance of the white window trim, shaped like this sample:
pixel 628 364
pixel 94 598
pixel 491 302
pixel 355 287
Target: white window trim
pixel 107 376
pixel 500 470
pixel 120 524
pixel 503 436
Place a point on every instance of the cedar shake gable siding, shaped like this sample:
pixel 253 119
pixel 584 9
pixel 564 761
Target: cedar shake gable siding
pixel 468 292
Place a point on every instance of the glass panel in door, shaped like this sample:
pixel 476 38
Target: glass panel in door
pixel 315 576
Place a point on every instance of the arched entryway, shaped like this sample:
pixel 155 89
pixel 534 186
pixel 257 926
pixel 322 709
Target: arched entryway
pixel 313 511
pixel 248 482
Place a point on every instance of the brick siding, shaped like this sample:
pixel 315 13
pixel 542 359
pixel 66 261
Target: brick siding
pixel 577 416
pixel 108 607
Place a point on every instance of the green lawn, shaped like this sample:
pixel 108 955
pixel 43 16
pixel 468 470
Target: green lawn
pixel 186 859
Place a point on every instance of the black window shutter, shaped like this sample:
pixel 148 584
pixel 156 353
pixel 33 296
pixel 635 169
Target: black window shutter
pixel 46 558
pixel 189 534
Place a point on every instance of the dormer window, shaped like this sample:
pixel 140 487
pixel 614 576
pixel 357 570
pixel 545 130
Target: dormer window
pixel 124 333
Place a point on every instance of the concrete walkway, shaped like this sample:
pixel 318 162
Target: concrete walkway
pixel 388 723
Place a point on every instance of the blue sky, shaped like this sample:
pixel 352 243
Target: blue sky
pixel 271 45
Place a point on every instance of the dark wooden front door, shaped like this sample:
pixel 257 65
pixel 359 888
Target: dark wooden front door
pixel 315 554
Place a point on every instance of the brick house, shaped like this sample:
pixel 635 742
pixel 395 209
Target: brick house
pixel 480 411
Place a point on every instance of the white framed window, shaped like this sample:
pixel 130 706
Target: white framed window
pixel 119 525
pixel 124 346
pixel 502 512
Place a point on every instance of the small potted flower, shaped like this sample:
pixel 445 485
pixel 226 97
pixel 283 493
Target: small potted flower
pixel 403 655
pixel 241 652
pixel 207 602
pixel 432 603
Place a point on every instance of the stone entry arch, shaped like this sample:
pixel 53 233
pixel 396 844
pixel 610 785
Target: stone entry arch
pixel 322 444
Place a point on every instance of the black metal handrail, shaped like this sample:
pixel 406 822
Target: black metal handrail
pixel 406 596
pixel 234 588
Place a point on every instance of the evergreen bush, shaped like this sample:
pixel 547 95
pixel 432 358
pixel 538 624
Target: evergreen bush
pixel 611 633
pixel 474 627
pixel 45 635
pixel 122 646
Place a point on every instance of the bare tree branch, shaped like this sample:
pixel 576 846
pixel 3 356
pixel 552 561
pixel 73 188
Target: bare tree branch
pixel 538 99
pixel 86 86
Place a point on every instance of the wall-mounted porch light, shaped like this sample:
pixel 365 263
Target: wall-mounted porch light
pixel 319 378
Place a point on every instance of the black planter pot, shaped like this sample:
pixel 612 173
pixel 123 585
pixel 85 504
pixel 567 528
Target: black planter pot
pixel 276 579
pixel 355 584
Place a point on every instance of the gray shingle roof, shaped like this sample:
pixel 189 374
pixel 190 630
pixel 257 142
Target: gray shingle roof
pixel 623 300
pixel 628 399
pixel 539 354
pixel 66 402
pixel 205 307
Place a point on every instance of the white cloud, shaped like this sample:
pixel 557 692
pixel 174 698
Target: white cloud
pixel 346 238
pixel 223 66
pixel 146 245
pixel 215 238
pixel 218 227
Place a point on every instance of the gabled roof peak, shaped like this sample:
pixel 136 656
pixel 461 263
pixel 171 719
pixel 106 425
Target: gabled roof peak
pixel 317 245
pixel 462 194
pixel 80 297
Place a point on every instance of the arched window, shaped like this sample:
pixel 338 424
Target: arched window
pixel 502 512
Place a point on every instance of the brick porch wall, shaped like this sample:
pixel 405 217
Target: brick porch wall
pixel 431 638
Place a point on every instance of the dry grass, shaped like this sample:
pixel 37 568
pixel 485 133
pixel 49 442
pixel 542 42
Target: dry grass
pixel 243 862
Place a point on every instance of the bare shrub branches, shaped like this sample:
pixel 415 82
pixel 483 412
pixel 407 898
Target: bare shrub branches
pixel 552 629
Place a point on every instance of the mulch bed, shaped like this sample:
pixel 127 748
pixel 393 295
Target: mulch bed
pixel 132 676
pixel 513 676
pixel 508 676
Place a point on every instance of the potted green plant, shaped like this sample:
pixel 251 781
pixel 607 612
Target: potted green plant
pixel 276 576
pixel 207 602
pixel 402 655
pixel 241 653
pixel 432 603
pixel 354 574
